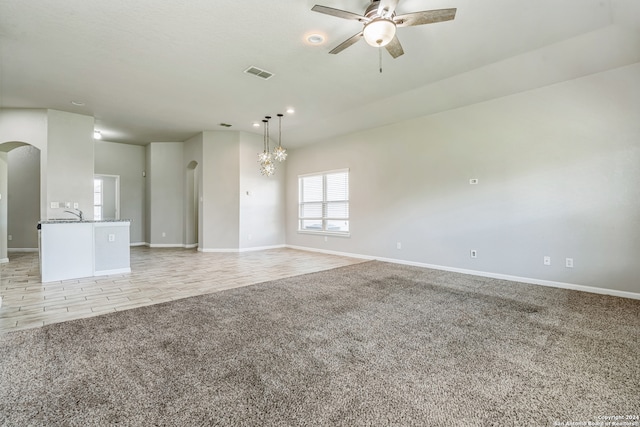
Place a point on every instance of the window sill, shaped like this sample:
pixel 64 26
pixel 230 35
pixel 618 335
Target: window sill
pixel 325 233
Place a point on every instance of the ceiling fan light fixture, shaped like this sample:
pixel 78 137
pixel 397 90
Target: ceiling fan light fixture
pixel 379 32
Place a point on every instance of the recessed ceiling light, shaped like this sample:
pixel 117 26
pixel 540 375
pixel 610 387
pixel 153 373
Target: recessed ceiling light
pixel 256 124
pixel 315 39
pixel 290 110
pixel 77 103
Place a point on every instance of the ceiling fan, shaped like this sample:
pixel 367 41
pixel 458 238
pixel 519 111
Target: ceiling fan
pixel 380 23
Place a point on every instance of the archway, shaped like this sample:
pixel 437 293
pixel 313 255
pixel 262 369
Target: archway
pixel 20 195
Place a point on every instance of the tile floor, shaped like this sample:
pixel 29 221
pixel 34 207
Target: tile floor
pixel 157 275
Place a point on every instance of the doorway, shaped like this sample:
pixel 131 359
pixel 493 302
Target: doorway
pixel 106 197
pixel 20 209
pixel 192 208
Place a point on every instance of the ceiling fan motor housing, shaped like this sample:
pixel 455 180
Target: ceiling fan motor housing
pixel 380 30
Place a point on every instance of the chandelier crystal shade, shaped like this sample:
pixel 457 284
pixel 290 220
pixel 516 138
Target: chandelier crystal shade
pixel 267 167
pixel 280 153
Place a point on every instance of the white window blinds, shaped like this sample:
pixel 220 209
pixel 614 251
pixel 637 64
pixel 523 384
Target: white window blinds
pixel 324 202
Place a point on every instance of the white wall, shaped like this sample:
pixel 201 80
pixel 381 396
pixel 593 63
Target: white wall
pixel 262 198
pixel 127 161
pixel 23 196
pixel 558 176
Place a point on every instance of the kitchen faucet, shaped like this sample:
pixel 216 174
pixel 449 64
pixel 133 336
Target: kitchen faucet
pixel 79 215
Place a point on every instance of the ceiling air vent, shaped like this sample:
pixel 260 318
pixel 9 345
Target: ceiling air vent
pixel 258 72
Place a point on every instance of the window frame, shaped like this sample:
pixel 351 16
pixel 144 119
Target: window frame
pixel 324 218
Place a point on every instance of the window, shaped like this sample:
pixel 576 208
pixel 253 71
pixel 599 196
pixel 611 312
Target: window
pixel 97 199
pixel 324 202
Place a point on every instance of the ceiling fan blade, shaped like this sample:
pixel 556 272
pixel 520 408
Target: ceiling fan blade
pixel 424 17
pixel 387 7
pixel 345 44
pixel 339 13
pixel 394 47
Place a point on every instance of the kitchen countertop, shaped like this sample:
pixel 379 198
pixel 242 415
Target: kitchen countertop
pixel 84 221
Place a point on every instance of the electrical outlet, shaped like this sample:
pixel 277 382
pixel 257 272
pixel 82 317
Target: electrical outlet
pixel 164 234
pixel 112 237
pixel 55 205
pixel 10 237
pixel 569 263
pixel 67 205
pixel 547 260
pixel 474 253
pixel 399 245
pixel 76 205
pixel 473 181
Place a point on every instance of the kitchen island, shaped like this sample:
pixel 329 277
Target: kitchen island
pixel 71 249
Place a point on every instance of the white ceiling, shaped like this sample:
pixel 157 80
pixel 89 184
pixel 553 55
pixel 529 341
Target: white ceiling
pixel 152 71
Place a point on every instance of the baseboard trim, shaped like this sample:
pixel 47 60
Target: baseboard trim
pixel 167 245
pixel 4 260
pixel 22 250
pixel 325 251
pixel 527 280
pixel 109 272
pixel 139 244
pixel 239 250
pixel 260 248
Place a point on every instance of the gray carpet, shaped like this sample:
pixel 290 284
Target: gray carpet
pixel 369 344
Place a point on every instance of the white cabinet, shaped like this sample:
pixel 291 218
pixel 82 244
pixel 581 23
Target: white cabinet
pixel 74 249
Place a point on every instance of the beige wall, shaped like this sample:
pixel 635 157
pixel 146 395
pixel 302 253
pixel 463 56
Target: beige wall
pixel 192 165
pixel 65 141
pixel 69 176
pixel 262 198
pixel 128 162
pixel 165 196
pixel 220 190
pixel 24 193
pixel 558 176
pixel 4 169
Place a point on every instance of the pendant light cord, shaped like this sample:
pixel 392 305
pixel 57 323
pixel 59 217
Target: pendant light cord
pixel 279 130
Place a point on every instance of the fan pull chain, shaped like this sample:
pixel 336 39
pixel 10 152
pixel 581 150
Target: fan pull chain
pixel 380 58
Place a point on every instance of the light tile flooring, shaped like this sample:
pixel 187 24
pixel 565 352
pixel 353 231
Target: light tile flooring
pixel 157 275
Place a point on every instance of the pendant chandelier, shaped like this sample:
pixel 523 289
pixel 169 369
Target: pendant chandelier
pixel 266 158
pixel 280 153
